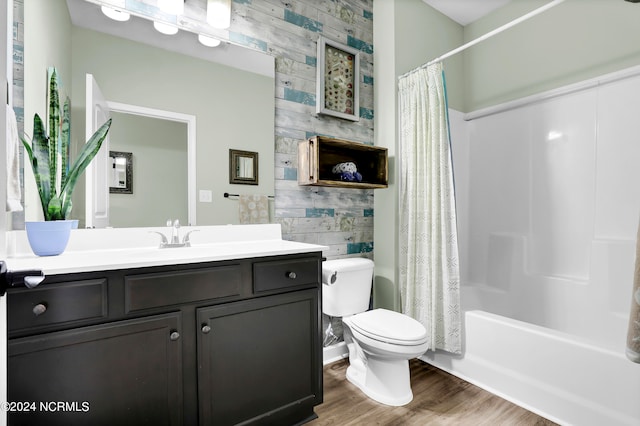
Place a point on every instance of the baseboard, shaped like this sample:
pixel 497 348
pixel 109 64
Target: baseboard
pixel 334 353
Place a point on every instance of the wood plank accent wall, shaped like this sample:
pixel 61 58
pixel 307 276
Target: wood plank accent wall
pixel 288 30
pixel 339 218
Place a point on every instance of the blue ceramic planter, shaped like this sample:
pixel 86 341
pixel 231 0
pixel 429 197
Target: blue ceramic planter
pixel 48 238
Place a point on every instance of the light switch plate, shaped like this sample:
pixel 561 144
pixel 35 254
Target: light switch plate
pixel 206 196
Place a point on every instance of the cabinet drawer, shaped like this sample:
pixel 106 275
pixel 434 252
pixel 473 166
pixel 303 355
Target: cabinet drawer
pixel 155 290
pixel 57 303
pixel 280 274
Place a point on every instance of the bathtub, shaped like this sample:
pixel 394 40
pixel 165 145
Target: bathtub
pixel 557 375
pixel 553 345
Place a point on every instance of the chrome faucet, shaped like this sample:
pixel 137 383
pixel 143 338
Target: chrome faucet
pixel 175 236
pixel 175 233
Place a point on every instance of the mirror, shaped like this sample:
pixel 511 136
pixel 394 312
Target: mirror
pixel 224 88
pixel 243 167
pixel 157 138
pixel 121 177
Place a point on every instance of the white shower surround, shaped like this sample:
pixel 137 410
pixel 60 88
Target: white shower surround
pixel 548 197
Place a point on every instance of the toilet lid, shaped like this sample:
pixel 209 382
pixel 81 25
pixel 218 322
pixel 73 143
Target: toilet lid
pixel 389 326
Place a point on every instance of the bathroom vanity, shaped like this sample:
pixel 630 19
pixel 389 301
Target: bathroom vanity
pixel 222 334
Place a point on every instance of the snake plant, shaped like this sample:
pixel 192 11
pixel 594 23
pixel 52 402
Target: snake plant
pixel 49 155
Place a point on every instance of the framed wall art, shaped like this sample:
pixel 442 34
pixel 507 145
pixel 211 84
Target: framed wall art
pixel 243 167
pixel 338 80
pixel 121 179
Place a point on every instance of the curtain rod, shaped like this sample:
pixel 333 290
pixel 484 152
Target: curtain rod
pixel 488 35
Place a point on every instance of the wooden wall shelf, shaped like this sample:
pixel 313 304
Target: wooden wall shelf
pixel 318 155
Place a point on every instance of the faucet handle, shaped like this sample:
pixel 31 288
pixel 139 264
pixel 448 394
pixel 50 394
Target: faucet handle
pixel 164 240
pixel 186 240
pixel 176 223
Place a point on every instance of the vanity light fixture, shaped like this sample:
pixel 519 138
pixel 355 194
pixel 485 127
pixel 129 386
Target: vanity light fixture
pixel 165 28
pixel 219 13
pixel 208 41
pixel 115 14
pixel 172 7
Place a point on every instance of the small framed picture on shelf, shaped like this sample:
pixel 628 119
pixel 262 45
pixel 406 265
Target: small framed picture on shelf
pixel 338 80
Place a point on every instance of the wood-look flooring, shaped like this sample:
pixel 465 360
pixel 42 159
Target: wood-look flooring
pixel 439 398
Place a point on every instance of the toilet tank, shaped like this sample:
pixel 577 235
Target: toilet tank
pixel 346 286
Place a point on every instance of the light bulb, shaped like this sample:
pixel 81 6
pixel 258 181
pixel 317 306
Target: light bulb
pixel 208 41
pixel 219 13
pixel 165 28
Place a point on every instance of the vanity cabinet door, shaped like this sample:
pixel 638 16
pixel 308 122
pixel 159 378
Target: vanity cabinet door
pixel 121 373
pixel 259 360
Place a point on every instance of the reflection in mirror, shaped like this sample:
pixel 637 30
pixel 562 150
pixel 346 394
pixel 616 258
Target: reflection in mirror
pixel 243 167
pixel 229 89
pixel 160 172
pixel 121 179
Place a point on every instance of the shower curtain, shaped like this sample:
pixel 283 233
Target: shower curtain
pixel 429 270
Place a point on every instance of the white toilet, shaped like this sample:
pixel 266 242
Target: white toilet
pixel 380 342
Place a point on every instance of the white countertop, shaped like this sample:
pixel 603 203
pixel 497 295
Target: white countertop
pixel 110 249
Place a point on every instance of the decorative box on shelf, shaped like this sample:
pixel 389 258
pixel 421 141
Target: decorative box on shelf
pixel 324 161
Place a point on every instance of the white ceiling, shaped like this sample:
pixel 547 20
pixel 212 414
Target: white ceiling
pixel 465 11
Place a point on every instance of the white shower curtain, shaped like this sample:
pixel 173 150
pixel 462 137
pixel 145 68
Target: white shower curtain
pixel 429 269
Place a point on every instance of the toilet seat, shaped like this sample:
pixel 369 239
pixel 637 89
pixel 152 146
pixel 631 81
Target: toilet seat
pixel 389 327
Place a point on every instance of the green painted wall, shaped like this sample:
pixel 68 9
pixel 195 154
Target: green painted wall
pixel 385 200
pixel 574 41
pixel 49 17
pixel 422 34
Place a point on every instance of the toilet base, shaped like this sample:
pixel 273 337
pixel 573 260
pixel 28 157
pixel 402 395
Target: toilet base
pixel 385 381
pixel 380 369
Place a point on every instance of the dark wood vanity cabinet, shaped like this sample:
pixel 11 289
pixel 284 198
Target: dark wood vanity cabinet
pixel 127 372
pixel 221 343
pixel 248 353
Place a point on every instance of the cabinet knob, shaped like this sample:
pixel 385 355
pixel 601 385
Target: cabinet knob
pixel 292 275
pixel 39 309
pixel 205 328
pixel 174 335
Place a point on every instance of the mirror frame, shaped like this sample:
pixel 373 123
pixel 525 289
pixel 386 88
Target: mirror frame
pixel 128 188
pixel 234 177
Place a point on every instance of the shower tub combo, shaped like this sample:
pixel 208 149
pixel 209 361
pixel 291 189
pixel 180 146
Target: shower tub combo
pixel 548 206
